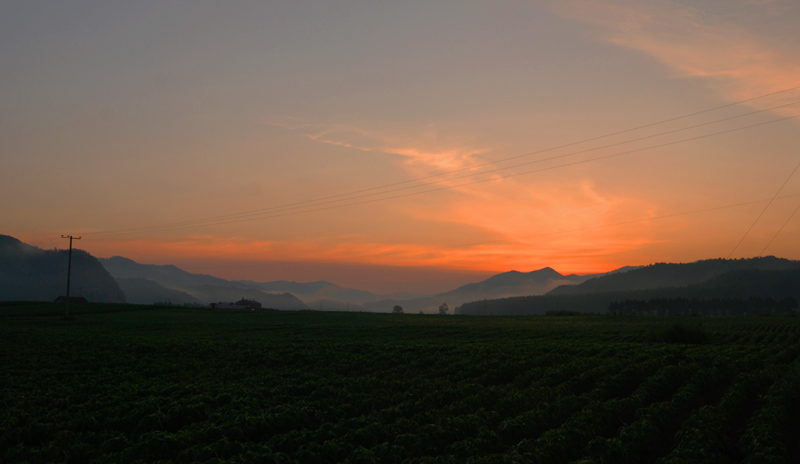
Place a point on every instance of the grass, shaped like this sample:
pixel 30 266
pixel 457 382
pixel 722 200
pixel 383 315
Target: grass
pixel 681 332
pixel 125 383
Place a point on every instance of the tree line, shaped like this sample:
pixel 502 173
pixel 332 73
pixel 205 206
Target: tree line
pixel 714 307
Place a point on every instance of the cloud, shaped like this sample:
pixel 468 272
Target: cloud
pixel 728 45
pixel 421 147
pixel 567 224
pixel 512 219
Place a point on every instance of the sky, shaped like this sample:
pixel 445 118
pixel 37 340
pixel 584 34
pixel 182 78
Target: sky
pixel 402 146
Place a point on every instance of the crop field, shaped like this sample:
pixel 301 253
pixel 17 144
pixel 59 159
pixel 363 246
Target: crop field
pixel 143 384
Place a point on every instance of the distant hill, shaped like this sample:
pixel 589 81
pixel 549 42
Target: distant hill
pixel 149 283
pixel 167 275
pixel 776 284
pixel 144 291
pixel 532 283
pixel 662 275
pixel 213 293
pixel 28 273
pixel 202 287
pixel 761 277
pixel 313 292
pixel 162 281
pixel 507 284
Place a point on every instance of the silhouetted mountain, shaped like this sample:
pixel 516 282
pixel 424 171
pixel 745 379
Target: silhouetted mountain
pixel 213 294
pixel 673 275
pixel 166 275
pixel 318 294
pixel 32 274
pixel 325 295
pixel 149 283
pixel 313 292
pixel 143 291
pixel 512 283
pixel 776 284
pixel 765 278
pixel 531 283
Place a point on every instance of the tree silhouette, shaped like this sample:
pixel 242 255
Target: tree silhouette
pixel 443 309
pixel 397 309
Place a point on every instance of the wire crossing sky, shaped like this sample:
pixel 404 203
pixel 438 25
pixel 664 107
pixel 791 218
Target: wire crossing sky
pixel 410 146
pixel 341 200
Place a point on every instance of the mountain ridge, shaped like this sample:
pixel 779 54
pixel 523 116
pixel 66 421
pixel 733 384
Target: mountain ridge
pixel 323 294
pixel 28 273
pixel 510 283
pixel 174 278
pixel 660 275
pixel 714 278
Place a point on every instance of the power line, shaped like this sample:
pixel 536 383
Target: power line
pixel 312 208
pixel 257 214
pixel 368 195
pixel 542 160
pixel 539 235
pixel 746 233
pixel 780 229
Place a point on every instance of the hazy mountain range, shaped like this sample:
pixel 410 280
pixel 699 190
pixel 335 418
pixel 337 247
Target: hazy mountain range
pixel 767 277
pixel 148 283
pixel 163 281
pixel 511 283
pixel 29 273
pixel 121 279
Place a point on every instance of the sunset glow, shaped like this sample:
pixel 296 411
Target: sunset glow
pixel 392 147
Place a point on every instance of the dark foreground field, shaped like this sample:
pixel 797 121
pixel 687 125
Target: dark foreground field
pixel 138 384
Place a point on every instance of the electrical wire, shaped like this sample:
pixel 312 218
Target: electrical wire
pixel 749 229
pixel 538 235
pixel 262 216
pixel 390 191
pixel 780 229
pixel 746 233
pixel 257 214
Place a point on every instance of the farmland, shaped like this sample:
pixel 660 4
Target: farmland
pixel 143 384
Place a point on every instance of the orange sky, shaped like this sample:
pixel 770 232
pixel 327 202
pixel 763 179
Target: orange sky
pixel 405 147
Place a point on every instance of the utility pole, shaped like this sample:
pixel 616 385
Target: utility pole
pixel 69 271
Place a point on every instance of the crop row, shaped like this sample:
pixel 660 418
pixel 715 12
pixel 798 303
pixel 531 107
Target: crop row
pixel 214 391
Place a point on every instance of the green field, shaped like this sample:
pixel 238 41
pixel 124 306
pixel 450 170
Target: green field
pixel 142 384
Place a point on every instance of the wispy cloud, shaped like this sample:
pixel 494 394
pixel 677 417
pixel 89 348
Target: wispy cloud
pixel 569 224
pixel 739 56
pixel 420 146
pixel 518 219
